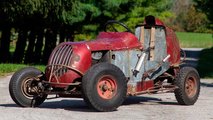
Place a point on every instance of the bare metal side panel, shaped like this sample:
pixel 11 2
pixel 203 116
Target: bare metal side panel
pixel 127 60
pixel 160 42
pixel 122 60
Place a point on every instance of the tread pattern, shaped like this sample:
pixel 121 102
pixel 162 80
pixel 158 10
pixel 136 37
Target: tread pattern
pixel 89 87
pixel 180 94
pixel 15 88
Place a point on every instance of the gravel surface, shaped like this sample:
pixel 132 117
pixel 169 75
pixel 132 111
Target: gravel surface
pixel 146 107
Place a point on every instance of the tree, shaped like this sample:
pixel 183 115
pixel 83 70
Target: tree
pixel 130 12
pixel 35 20
pixel 5 26
pixel 206 6
pixel 195 21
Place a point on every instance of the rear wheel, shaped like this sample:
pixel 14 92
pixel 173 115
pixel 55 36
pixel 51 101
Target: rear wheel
pixel 188 82
pixel 24 89
pixel 104 87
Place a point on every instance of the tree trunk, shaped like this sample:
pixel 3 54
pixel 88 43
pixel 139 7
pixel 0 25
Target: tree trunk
pixel 5 45
pixel 20 47
pixel 29 56
pixel 50 43
pixel 70 36
pixel 38 46
pixel 62 36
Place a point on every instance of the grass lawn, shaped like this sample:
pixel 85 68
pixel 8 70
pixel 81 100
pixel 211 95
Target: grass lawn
pixel 195 40
pixel 6 69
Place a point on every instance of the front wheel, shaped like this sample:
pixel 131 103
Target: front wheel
pixel 104 87
pixel 24 89
pixel 188 83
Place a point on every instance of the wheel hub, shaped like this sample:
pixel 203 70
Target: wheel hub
pixel 190 86
pixel 29 88
pixel 106 87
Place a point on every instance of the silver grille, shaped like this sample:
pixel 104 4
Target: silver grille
pixel 61 57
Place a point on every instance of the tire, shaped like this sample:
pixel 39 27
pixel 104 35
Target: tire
pixel 104 87
pixel 188 83
pixel 18 88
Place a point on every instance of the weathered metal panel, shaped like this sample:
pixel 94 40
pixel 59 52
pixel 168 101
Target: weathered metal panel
pixel 127 60
pixel 122 60
pixel 160 41
pixel 114 41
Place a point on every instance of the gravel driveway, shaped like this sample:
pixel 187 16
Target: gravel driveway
pixel 146 107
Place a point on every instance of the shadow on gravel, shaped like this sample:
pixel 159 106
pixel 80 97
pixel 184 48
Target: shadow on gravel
pixel 8 105
pixel 192 53
pixel 206 84
pixel 205 63
pixel 72 105
pixel 192 57
pixel 143 100
pixel 81 106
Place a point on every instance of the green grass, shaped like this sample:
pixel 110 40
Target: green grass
pixel 6 69
pixel 195 40
pixel 205 63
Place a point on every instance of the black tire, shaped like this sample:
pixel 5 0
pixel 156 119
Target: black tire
pixel 188 83
pixel 104 87
pixel 17 88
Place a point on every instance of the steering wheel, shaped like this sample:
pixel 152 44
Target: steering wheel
pixel 111 23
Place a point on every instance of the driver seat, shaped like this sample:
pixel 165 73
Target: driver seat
pixel 151 34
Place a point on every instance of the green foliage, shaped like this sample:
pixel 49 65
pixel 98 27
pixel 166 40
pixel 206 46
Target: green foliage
pixel 87 12
pixel 192 16
pixel 130 12
pixel 83 19
pixel 206 6
pixel 194 20
pixel 138 10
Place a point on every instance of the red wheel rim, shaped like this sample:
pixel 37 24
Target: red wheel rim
pixel 107 87
pixel 191 86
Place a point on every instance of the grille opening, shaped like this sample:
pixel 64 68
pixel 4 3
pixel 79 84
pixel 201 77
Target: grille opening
pixel 61 56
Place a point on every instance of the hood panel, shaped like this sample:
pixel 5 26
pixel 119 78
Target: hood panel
pixel 114 41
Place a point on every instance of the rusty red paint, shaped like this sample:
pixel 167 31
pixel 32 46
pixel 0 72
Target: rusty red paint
pixel 144 85
pixel 80 60
pixel 173 47
pixel 81 52
pixel 158 22
pixel 107 87
pixel 114 41
pixel 65 79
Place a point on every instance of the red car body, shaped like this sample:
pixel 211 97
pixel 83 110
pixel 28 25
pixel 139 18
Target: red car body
pixel 106 70
pixel 81 60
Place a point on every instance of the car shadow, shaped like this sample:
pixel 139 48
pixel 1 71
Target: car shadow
pixel 72 105
pixel 143 100
pixel 8 105
pixel 206 84
pixel 192 57
pixel 81 106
